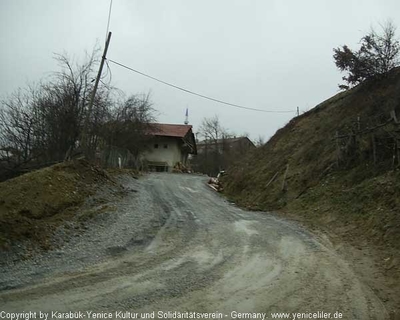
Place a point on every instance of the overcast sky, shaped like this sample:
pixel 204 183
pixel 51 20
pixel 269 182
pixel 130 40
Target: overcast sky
pixel 272 55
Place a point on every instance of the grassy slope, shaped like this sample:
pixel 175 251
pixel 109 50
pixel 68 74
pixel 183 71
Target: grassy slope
pixel 33 205
pixel 358 192
pixel 357 202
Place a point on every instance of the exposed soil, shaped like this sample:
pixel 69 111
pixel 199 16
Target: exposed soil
pixel 336 169
pixel 376 265
pixel 357 183
pixel 172 244
pixel 34 205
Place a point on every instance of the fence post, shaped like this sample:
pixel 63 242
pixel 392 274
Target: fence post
pixel 119 163
pixel 272 179
pixel 284 184
pixel 337 148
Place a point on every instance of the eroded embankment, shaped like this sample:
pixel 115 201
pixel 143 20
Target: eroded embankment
pixel 201 254
pixel 34 205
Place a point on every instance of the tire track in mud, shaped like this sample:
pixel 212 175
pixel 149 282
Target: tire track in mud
pixel 204 254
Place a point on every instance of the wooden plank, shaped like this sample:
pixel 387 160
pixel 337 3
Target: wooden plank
pixel 272 180
pixel 212 187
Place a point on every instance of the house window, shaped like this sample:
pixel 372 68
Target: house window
pixel 156 146
pixel 165 146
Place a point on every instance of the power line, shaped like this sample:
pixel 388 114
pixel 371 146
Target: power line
pixel 198 94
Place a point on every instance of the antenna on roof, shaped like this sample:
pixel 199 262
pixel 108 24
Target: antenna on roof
pixel 187 116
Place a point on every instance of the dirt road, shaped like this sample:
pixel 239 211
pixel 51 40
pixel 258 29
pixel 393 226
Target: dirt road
pixel 175 245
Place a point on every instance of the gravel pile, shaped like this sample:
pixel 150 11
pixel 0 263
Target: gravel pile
pixel 117 226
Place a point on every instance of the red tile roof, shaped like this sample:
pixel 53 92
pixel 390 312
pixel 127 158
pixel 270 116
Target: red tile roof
pixel 170 130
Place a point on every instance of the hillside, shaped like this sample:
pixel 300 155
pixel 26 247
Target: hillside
pixel 341 161
pixel 35 205
pixel 325 173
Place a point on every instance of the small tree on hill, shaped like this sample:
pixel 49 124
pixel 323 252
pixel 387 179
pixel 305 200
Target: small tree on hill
pixel 378 54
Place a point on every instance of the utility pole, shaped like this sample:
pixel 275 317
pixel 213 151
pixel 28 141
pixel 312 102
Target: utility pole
pixel 298 111
pixel 85 135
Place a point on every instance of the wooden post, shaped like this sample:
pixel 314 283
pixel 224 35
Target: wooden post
pixel 284 184
pixel 85 133
pixel 337 149
pixel 272 179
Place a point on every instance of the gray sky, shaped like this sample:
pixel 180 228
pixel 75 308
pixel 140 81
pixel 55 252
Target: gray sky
pixel 272 55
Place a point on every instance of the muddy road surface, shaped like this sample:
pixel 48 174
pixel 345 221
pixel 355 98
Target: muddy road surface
pixel 175 245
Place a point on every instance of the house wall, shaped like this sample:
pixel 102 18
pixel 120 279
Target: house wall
pixel 171 154
pixel 109 158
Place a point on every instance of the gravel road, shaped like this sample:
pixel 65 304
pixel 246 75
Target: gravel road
pixel 173 244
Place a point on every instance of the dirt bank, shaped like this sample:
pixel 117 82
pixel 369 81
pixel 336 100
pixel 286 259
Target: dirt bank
pixel 173 244
pixel 34 205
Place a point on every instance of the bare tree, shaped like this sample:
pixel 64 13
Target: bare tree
pixel 260 141
pixel 17 125
pixel 128 125
pixel 44 123
pixel 68 95
pixel 211 159
pixel 40 123
pixel 211 129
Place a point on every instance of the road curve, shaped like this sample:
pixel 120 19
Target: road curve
pixel 201 254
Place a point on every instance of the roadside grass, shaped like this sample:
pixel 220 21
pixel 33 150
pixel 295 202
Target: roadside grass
pixel 356 200
pixel 34 205
pixel 356 191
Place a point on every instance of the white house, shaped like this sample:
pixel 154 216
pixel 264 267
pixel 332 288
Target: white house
pixel 169 144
